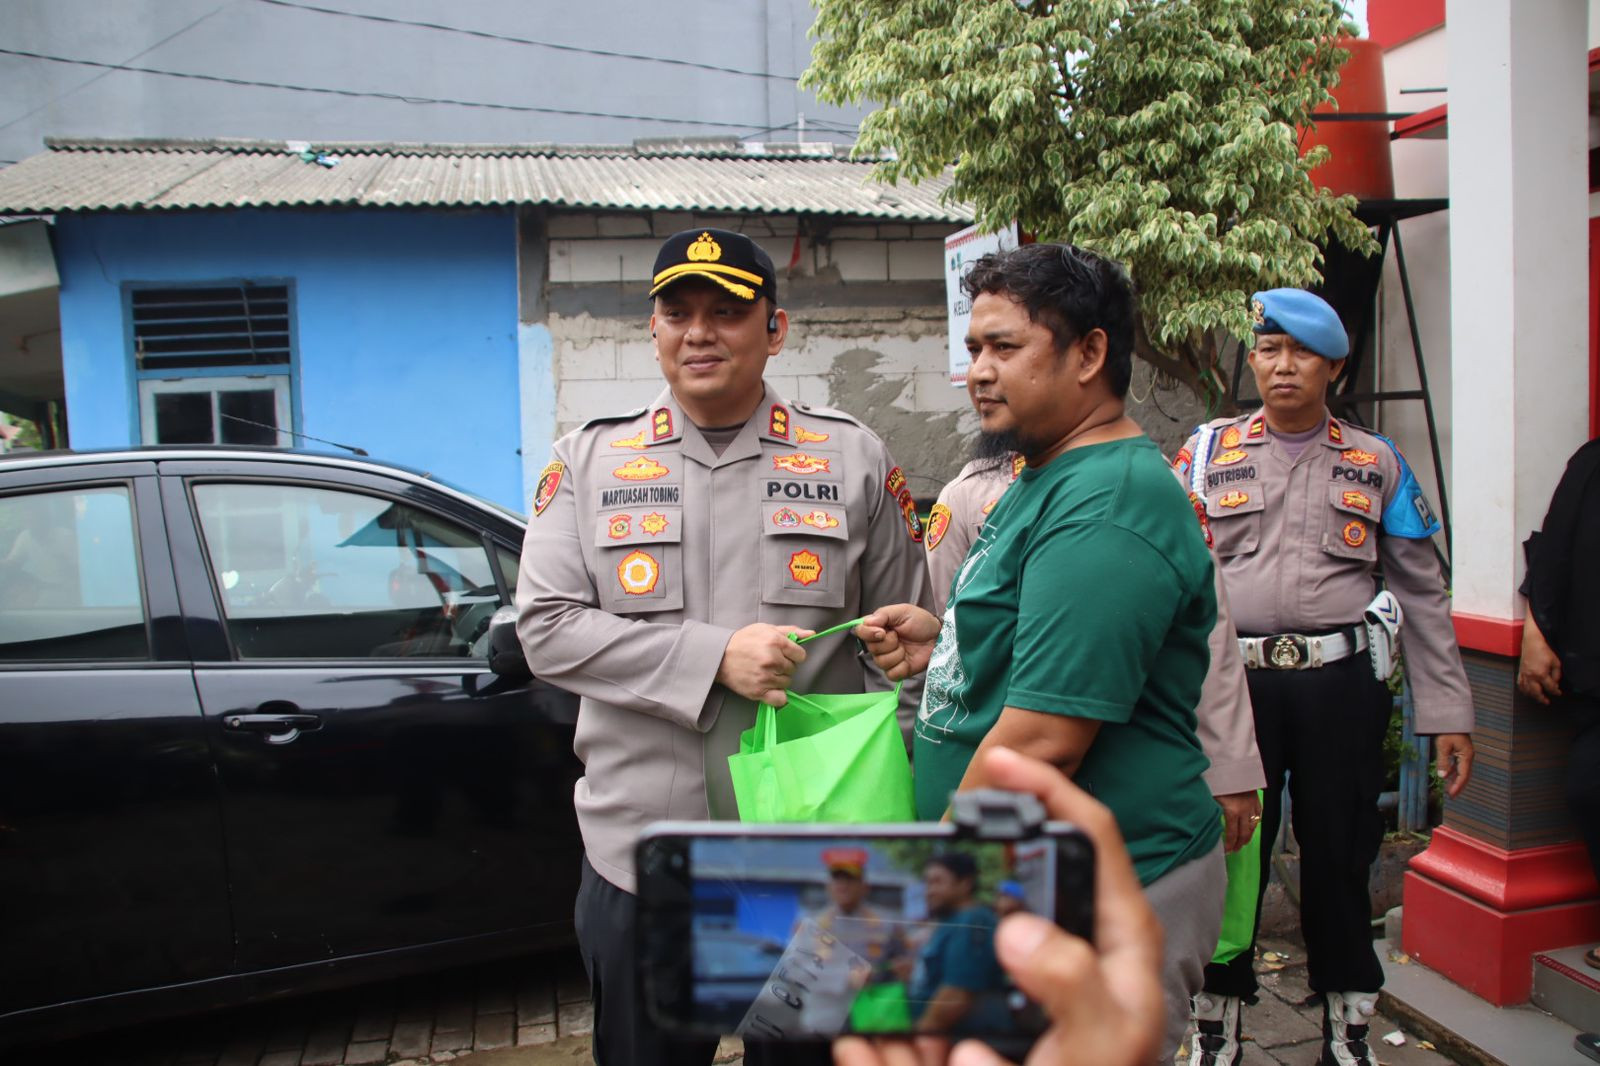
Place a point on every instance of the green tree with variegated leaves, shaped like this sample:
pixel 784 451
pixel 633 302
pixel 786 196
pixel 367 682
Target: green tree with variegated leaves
pixel 1164 133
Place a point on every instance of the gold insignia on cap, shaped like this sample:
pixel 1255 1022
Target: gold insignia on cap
pixel 1258 313
pixel 704 249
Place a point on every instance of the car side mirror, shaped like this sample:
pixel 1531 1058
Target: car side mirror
pixel 505 650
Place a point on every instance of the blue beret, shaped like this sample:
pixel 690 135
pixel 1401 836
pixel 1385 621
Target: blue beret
pixel 1307 318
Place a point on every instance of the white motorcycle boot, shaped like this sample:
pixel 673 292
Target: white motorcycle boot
pixel 1216 1035
pixel 1344 1028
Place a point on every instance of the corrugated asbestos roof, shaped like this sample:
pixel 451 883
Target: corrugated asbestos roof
pixel 816 179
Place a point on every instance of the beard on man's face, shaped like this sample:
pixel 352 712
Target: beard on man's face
pixel 996 445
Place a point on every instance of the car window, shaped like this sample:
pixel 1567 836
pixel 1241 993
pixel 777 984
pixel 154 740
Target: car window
pixel 69 577
pixel 509 564
pixel 315 573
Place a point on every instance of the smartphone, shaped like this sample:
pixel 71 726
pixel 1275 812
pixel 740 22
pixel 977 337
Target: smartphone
pixel 803 932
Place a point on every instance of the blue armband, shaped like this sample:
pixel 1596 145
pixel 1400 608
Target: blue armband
pixel 1407 513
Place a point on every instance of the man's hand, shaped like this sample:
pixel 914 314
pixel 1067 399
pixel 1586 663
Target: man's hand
pixel 900 638
pixel 1539 672
pixel 1454 764
pixel 759 662
pixel 1103 999
pixel 1241 814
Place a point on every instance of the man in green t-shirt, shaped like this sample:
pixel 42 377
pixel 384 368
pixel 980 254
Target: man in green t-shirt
pixel 1076 629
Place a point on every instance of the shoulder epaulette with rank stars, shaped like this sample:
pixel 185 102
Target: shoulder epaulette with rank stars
pixel 661 427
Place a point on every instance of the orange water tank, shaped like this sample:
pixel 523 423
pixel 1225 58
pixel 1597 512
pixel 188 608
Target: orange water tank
pixel 1360 164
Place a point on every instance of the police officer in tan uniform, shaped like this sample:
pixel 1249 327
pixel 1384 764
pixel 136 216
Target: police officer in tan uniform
pixel 670 552
pixel 1303 509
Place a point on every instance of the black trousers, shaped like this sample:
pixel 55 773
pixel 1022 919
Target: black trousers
pixel 624 1035
pixel 1583 773
pixel 1323 729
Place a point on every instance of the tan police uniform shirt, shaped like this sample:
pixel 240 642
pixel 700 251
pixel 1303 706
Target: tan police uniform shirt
pixel 646 551
pixel 1300 541
pixel 1224 722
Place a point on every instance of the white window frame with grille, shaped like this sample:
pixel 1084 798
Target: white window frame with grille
pixel 217 372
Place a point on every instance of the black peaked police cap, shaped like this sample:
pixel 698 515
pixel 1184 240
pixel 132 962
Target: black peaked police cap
pixel 732 260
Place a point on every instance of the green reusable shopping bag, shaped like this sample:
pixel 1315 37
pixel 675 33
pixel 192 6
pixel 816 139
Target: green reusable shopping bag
pixel 824 758
pixel 881 1008
pixel 1239 905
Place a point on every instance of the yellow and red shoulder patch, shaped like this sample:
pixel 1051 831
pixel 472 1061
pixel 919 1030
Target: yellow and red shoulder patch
pixel 820 519
pixel 655 523
pixel 805 567
pixel 1018 464
pixel 661 424
pixel 1358 500
pixel 1230 438
pixel 641 469
pixel 621 526
pixel 1357 457
pixel 549 482
pixel 778 424
pixel 895 482
pixel 638 573
pixel 1355 533
pixel 800 463
pixel 1335 432
pixel 802 435
pixel 938 523
pixel 1228 458
pixel 1183 462
pixel 1234 499
pixel 636 442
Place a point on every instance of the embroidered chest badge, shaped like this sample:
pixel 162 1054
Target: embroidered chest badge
pixel 786 518
pixel 636 442
pixel 802 435
pixel 1357 457
pixel 549 481
pixel 1355 533
pixel 1358 500
pixel 655 523
pixel 621 526
pixel 820 519
pixel 800 463
pixel 638 573
pixel 805 567
pixel 1234 499
pixel 1230 437
pixel 640 469
pixel 938 522
pixel 1228 458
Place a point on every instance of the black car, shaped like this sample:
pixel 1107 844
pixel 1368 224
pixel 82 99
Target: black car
pixel 250 744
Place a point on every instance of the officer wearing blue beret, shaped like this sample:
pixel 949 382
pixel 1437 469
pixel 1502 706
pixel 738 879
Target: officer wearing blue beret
pixel 1304 508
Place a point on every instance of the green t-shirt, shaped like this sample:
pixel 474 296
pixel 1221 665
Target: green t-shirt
pixel 1088 593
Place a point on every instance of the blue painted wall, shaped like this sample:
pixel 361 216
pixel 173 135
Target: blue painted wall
pixel 405 326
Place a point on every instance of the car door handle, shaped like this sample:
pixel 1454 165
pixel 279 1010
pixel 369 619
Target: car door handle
pixel 279 728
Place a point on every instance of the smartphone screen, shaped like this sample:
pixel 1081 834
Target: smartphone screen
pixel 798 935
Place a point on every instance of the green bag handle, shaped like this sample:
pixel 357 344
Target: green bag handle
pixel 766 716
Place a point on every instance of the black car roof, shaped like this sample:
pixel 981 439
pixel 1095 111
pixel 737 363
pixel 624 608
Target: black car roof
pixel 160 453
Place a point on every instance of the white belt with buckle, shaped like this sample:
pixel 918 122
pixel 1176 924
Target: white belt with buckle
pixel 1293 651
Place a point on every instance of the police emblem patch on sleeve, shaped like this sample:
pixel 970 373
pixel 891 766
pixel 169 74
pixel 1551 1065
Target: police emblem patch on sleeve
pixel 895 482
pixel 1183 462
pixel 908 510
pixel 549 482
pixel 938 523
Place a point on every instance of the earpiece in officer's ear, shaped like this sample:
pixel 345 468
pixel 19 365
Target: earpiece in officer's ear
pixel 652 333
pixel 772 322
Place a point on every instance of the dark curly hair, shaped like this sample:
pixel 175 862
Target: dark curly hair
pixel 1070 291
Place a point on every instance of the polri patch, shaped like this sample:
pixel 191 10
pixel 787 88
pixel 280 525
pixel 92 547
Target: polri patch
pixel 805 567
pixel 1355 533
pixel 655 523
pixel 641 469
pixel 549 482
pixel 1228 458
pixel 638 573
pixel 938 523
pixel 801 463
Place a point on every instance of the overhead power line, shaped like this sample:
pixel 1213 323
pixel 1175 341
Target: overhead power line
pixel 487 35
pixel 404 98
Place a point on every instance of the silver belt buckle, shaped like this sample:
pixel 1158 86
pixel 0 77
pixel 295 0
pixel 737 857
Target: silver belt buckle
pixel 1287 652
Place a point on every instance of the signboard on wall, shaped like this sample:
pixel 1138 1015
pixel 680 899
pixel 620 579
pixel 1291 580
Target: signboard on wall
pixel 961 250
